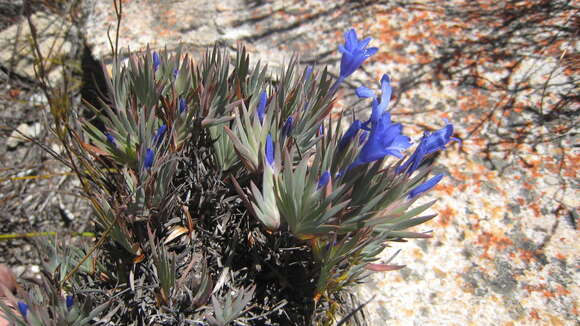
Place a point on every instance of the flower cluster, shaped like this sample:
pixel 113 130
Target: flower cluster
pixel 386 138
pixel 378 137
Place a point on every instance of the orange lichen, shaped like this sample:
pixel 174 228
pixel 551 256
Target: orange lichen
pixel 526 255
pixel 446 188
pixel 536 208
pixel 488 240
pixel 560 290
pixel 548 294
pixel 560 256
pixel 445 215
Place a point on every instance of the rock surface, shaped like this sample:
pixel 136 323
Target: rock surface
pixel 56 40
pixel 503 250
pixel 273 30
pixel 22 133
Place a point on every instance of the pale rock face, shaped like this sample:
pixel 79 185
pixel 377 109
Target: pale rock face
pixel 272 30
pixel 55 40
pixel 161 23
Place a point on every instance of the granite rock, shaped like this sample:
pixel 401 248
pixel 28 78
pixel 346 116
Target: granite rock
pixel 501 253
pixel 56 41
pixel 272 30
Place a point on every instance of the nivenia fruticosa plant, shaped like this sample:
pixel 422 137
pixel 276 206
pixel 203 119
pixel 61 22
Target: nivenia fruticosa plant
pixel 225 195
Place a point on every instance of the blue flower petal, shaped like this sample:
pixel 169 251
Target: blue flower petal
pixel 425 186
pixel 364 92
pixel 386 93
pixel 262 107
pixel 149 156
pixel 362 44
pixel 156 61
pixel 182 105
pixel 287 128
pixel 307 73
pixel 430 143
pixel 324 178
pixel 349 135
pixel 23 308
pixel 371 51
pixel 159 135
pixel 376 113
pixel 269 150
pixel 111 139
pixel 69 301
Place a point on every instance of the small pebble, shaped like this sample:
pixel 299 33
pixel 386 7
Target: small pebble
pixel 35 269
pixel 19 135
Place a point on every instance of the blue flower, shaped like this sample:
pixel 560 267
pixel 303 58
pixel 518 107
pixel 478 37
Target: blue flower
pixel 156 61
pixel 269 150
pixel 159 135
pixel 324 178
pixel 287 128
pixel 149 156
pixel 182 105
pixel 262 107
pixel 430 143
pixel 330 244
pixel 111 139
pixel 321 129
pixel 349 135
pixel 385 138
pixel 175 72
pixel 354 53
pixel 23 308
pixel 437 140
pixel 69 301
pixel 425 186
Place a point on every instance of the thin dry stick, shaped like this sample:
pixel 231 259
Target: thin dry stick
pixel 118 4
pixel 44 234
